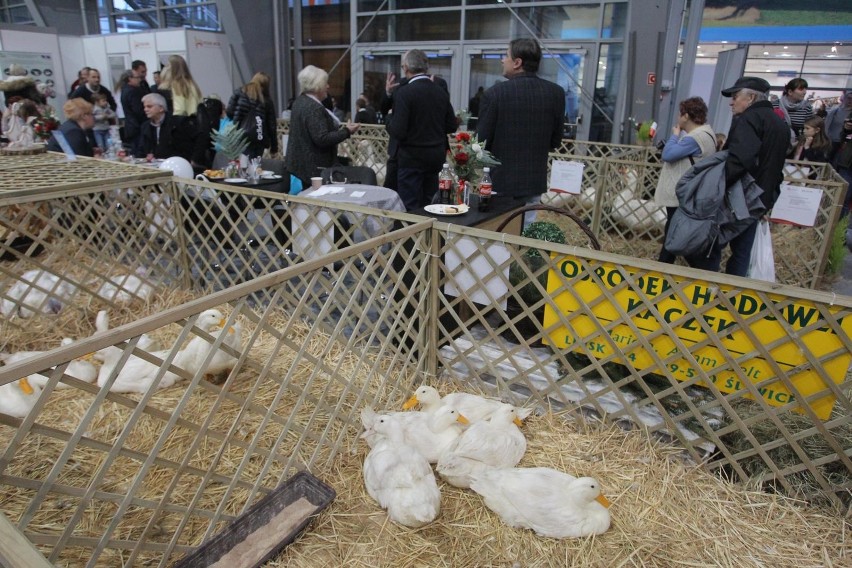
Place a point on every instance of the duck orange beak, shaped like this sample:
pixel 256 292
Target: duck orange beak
pixel 603 500
pixel 462 419
pixel 25 386
pixel 410 403
pixel 518 422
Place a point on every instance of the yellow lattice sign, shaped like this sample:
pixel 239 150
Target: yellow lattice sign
pixel 817 342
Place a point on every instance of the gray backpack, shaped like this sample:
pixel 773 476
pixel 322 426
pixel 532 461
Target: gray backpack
pixel 709 214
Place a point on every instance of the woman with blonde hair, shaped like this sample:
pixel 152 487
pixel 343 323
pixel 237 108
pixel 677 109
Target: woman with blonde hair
pixel 253 103
pixel 77 129
pixel 183 93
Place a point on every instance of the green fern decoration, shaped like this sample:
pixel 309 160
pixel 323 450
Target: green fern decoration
pixel 231 141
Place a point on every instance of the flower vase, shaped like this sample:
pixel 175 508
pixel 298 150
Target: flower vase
pixel 232 170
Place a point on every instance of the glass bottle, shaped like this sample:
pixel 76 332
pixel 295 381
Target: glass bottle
pixel 485 189
pixel 445 184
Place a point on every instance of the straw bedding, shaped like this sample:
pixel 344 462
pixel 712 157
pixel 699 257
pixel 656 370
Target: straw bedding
pixel 665 512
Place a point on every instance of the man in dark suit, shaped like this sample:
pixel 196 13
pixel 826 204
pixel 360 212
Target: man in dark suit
pixel 520 121
pixel 421 119
pixel 164 135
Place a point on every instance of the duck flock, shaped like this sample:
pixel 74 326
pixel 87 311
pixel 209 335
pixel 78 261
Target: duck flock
pixel 135 375
pixel 474 443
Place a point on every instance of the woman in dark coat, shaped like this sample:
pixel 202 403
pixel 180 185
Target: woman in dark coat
pixel 77 129
pixel 314 131
pixel 254 96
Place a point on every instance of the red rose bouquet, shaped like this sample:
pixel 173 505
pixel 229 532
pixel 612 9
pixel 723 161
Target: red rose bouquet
pixel 45 124
pixel 467 156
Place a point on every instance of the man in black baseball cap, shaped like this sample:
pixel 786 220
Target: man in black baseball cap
pixel 757 143
pixel 752 83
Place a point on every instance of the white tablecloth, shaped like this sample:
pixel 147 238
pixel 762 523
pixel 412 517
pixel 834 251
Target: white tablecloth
pixel 314 234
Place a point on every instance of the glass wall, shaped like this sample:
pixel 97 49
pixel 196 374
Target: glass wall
pixel 121 16
pixel 15 12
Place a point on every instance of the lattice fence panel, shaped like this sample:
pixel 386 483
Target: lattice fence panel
pixel 749 379
pixel 101 477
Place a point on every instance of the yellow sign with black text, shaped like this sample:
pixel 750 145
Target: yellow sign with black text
pixel 801 318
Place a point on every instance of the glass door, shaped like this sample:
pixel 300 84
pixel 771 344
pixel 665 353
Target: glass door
pixel 371 66
pixel 564 66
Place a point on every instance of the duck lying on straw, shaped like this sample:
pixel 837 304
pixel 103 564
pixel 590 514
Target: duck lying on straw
pixel 482 457
pixel 473 407
pixel 429 434
pixel 552 503
pixel 398 477
pixel 138 375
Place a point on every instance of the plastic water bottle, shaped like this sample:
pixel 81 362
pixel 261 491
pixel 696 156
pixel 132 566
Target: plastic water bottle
pixel 445 184
pixel 485 189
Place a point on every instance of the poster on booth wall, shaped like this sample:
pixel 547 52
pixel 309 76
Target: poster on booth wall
pixel 39 66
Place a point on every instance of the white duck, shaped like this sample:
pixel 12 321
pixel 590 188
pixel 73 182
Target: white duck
pixel 17 398
pixel 125 288
pixel 429 434
pixel 473 407
pixel 494 443
pixel 36 291
pixel 145 343
pixel 552 503
pixel 399 478
pixel 78 368
pixel 137 375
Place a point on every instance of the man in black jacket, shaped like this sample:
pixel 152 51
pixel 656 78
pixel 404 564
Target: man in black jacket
pixel 421 119
pixel 91 86
pixel 757 144
pixel 164 135
pixel 134 114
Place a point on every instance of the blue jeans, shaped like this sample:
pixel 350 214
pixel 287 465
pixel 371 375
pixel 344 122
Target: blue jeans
pixel 102 138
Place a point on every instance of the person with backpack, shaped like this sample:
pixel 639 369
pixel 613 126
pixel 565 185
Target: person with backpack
pixel 252 110
pixel 757 145
pixel 692 139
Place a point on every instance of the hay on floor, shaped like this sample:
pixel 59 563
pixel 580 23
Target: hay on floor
pixel 665 512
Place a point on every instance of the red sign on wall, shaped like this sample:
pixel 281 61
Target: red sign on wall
pixel 652 78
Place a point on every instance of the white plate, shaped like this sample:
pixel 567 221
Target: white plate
pixel 235 180
pixel 443 209
pixel 271 176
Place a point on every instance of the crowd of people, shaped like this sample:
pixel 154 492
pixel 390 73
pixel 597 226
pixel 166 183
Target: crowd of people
pixel 519 121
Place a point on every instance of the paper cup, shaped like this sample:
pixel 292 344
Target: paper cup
pixel 316 182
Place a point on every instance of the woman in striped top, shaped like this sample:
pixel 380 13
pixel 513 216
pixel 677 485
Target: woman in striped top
pixel 793 106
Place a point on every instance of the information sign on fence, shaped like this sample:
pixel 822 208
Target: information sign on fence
pixel 795 318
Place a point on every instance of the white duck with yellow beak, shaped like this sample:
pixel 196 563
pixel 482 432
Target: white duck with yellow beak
pixel 494 443
pixel 138 375
pixel 18 398
pixel 474 407
pixel 552 503
pixel 398 477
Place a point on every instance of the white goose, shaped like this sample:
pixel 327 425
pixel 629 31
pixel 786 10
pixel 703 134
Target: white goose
pixel 552 503
pixel 398 477
pixel 429 434
pixel 473 407
pixel 494 443
pixel 137 375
